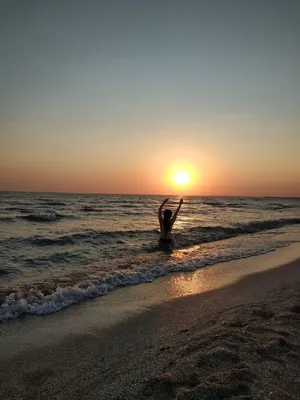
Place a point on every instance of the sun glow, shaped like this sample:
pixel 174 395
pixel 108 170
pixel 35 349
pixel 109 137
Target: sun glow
pixel 182 178
pixel 182 172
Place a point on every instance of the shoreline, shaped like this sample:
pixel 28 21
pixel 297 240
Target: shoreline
pixel 81 285
pixel 141 354
pixel 117 306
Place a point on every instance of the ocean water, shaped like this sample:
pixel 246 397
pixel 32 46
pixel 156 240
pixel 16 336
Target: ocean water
pixel 59 249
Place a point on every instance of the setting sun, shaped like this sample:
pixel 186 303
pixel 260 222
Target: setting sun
pixel 181 178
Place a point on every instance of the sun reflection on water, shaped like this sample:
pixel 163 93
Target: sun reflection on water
pixel 184 285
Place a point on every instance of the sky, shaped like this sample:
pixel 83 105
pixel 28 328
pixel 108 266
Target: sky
pixel 110 96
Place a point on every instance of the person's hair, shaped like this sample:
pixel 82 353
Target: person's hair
pixel 167 219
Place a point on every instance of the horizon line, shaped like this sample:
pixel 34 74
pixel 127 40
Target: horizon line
pixel 148 194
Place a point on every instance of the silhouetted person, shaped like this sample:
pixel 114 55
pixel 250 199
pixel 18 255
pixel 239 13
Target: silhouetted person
pixel 166 223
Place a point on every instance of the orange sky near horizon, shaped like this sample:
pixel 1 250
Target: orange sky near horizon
pixel 148 173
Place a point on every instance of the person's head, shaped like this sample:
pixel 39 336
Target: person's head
pixel 167 214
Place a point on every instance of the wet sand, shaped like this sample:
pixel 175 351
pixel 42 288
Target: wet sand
pixel 238 341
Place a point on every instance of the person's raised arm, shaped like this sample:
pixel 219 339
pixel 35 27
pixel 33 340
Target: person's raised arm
pixel 160 208
pixel 177 211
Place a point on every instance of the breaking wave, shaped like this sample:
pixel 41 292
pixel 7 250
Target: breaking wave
pixel 34 301
pixel 51 217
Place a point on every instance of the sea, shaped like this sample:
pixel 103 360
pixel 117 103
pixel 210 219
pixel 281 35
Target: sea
pixel 58 249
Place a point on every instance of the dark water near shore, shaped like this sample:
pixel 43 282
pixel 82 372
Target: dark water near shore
pixel 57 249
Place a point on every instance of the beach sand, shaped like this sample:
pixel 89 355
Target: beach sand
pixel 237 341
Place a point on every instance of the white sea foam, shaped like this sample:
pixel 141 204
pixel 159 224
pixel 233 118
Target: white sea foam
pixel 39 304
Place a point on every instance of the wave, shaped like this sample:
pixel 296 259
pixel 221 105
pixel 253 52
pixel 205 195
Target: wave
pixel 124 201
pixel 52 203
pixel 136 213
pixel 213 203
pixel 55 258
pixel 198 235
pixel 184 238
pixel 278 206
pixel 41 217
pixel 91 209
pixel 19 209
pixel 133 205
pixel 251 227
pixel 8 270
pixel 51 217
pixel 36 301
pixel 7 219
pixel 101 237
pixel 249 205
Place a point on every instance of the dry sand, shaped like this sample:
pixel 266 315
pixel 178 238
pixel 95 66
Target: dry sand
pixel 241 341
pixel 246 352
